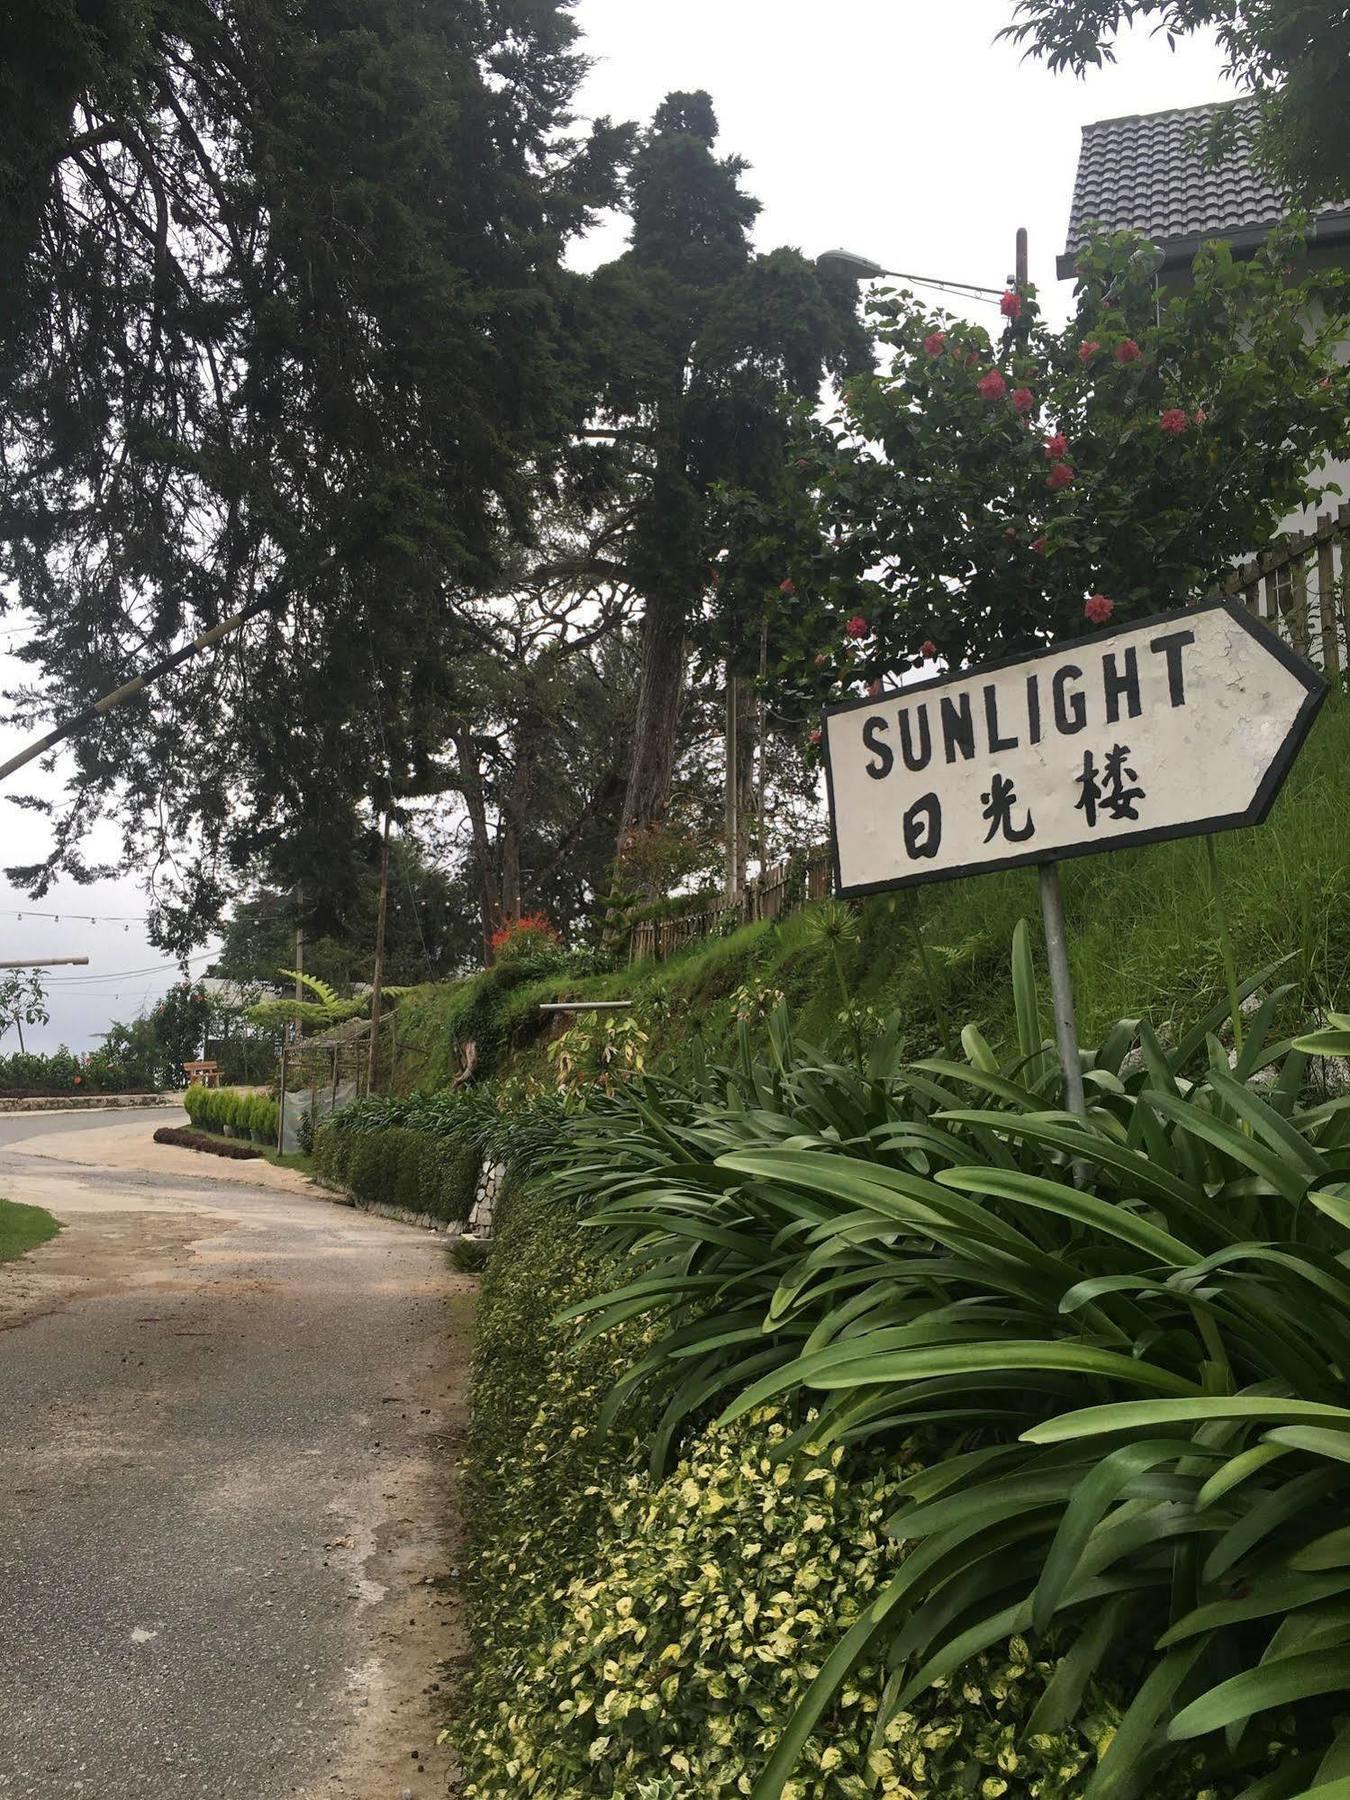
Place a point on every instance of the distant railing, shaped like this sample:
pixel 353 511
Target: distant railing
pixel 783 888
pixel 1300 586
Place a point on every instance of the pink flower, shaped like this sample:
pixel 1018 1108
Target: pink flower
pixel 1088 349
pixel 815 735
pixel 1059 477
pixel 823 659
pixel 1325 382
pixel 1127 351
pixel 1023 399
pixel 1040 545
pixel 874 690
pixel 802 463
pixel 1200 415
pixel 1098 609
pixel 934 342
pixel 928 648
pixel 1173 421
pixel 787 586
pixel 992 385
pixel 1057 447
pixel 1011 305
pixel 857 626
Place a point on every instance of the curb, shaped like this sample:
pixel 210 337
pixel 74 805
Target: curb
pixel 76 1103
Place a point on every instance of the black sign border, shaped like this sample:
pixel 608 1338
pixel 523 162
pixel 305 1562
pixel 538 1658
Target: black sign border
pixel 1314 684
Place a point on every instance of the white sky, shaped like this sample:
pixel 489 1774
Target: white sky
pixel 899 130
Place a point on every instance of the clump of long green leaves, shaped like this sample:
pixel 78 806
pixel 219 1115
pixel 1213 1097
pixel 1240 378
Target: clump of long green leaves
pixel 1123 1341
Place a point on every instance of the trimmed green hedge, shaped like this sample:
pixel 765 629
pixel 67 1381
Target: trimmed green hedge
pixel 234 1112
pixel 399 1167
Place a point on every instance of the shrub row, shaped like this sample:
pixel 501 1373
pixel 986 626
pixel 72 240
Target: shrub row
pixel 651 1636
pixel 395 1166
pixel 62 1072
pixel 187 1137
pixel 234 1112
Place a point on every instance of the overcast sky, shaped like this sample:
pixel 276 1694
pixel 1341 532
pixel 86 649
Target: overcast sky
pixel 897 130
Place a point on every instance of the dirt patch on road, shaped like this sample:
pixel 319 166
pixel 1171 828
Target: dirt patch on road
pixel 95 1253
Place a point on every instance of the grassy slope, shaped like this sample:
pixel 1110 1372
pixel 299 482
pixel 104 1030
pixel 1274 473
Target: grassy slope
pixel 1142 928
pixel 23 1228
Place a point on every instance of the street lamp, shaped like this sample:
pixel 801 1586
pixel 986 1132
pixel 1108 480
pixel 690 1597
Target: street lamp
pixel 862 268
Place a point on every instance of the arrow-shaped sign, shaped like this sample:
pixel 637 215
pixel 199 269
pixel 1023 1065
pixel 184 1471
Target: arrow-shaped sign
pixel 1187 722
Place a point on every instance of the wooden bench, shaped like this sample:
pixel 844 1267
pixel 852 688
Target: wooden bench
pixel 206 1073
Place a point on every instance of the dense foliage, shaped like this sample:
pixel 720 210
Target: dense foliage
pixel 652 1634
pixel 1126 1387
pixel 285 321
pixel 235 1113
pixel 421 1171
pixel 981 497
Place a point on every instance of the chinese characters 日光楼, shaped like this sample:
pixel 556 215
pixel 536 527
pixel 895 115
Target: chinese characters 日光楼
pixel 992 719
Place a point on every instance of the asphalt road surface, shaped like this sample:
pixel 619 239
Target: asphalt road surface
pixel 227 1419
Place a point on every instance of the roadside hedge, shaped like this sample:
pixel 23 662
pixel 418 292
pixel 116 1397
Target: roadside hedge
pixel 234 1112
pixel 644 1637
pixel 400 1167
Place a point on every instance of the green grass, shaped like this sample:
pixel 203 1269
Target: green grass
pixel 23 1228
pixel 1142 929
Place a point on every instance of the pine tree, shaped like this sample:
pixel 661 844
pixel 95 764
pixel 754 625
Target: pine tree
pixel 699 341
pixel 291 322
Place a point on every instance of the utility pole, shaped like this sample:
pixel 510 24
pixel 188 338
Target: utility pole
pixel 299 951
pixel 733 823
pixel 378 984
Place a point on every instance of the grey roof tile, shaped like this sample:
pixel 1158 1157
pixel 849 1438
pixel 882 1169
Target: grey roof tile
pixel 1147 172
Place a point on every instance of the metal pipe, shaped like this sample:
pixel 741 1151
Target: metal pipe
pixel 1061 987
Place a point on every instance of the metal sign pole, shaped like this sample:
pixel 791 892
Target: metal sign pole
pixel 1061 987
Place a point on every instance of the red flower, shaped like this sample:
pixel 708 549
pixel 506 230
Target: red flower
pixel 1040 545
pixel 815 735
pixel 928 648
pixel 1011 305
pixel 1023 399
pixel 1088 349
pixel 1057 447
pixel 992 385
pixel 1127 351
pixel 857 626
pixel 1060 476
pixel 1098 608
pixel 78 1080
pixel 787 586
pixel 1173 421
pixel 934 342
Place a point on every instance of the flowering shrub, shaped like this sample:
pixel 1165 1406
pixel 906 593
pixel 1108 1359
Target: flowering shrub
pixel 529 935
pixel 981 488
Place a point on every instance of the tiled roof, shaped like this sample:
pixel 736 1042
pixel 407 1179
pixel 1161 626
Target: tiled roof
pixel 1148 172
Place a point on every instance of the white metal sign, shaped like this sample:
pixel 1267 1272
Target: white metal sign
pixel 1186 722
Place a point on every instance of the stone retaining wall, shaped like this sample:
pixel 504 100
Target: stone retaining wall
pixel 35 1103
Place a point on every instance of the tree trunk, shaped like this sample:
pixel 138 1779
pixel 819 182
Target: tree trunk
pixel 658 711
pixel 515 811
pixel 471 786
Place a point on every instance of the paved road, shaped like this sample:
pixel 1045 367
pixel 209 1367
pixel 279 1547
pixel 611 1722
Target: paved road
pixel 223 1419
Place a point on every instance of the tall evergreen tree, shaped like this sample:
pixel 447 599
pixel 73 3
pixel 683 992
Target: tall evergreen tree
pixel 289 322
pixel 699 342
